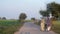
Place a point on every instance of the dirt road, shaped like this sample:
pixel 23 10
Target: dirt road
pixel 31 28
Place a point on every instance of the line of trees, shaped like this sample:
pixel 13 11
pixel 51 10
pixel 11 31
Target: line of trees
pixel 52 8
pixel 3 18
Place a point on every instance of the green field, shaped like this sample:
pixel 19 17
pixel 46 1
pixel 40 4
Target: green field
pixel 9 26
pixel 56 27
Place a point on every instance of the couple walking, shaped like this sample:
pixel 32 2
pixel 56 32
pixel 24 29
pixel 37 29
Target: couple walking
pixel 46 24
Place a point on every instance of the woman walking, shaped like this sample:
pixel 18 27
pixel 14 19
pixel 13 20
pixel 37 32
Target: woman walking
pixel 42 24
pixel 48 24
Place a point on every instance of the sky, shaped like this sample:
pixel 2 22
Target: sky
pixel 11 9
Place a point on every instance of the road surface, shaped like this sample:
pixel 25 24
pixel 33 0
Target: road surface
pixel 31 28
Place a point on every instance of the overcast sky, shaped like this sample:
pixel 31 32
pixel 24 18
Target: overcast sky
pixel 12 8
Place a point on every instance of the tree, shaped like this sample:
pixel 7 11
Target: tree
pixel 32 18
pixel 0 18
pixel 44 13
pixel 22 16
pixel 4 18
pixel 54 9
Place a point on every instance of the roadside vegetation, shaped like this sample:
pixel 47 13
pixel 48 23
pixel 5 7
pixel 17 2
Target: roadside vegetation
pixel 53 9
pixel 56 27
pixel 9 26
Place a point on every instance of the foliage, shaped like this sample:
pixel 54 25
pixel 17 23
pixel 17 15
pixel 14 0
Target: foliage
pixel 44 13
pixel 54 8
pixel 32 18
pixel 22 16
pixel 56 27
pixel 0 17
pixel 4 18
pixel 28 20
pixel 9 26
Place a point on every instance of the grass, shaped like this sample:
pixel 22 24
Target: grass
pixel 28 20
pixel 9 26
pixel 56 27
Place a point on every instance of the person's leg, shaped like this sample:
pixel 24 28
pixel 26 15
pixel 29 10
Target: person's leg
pixel 45 27
pixel 49 27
